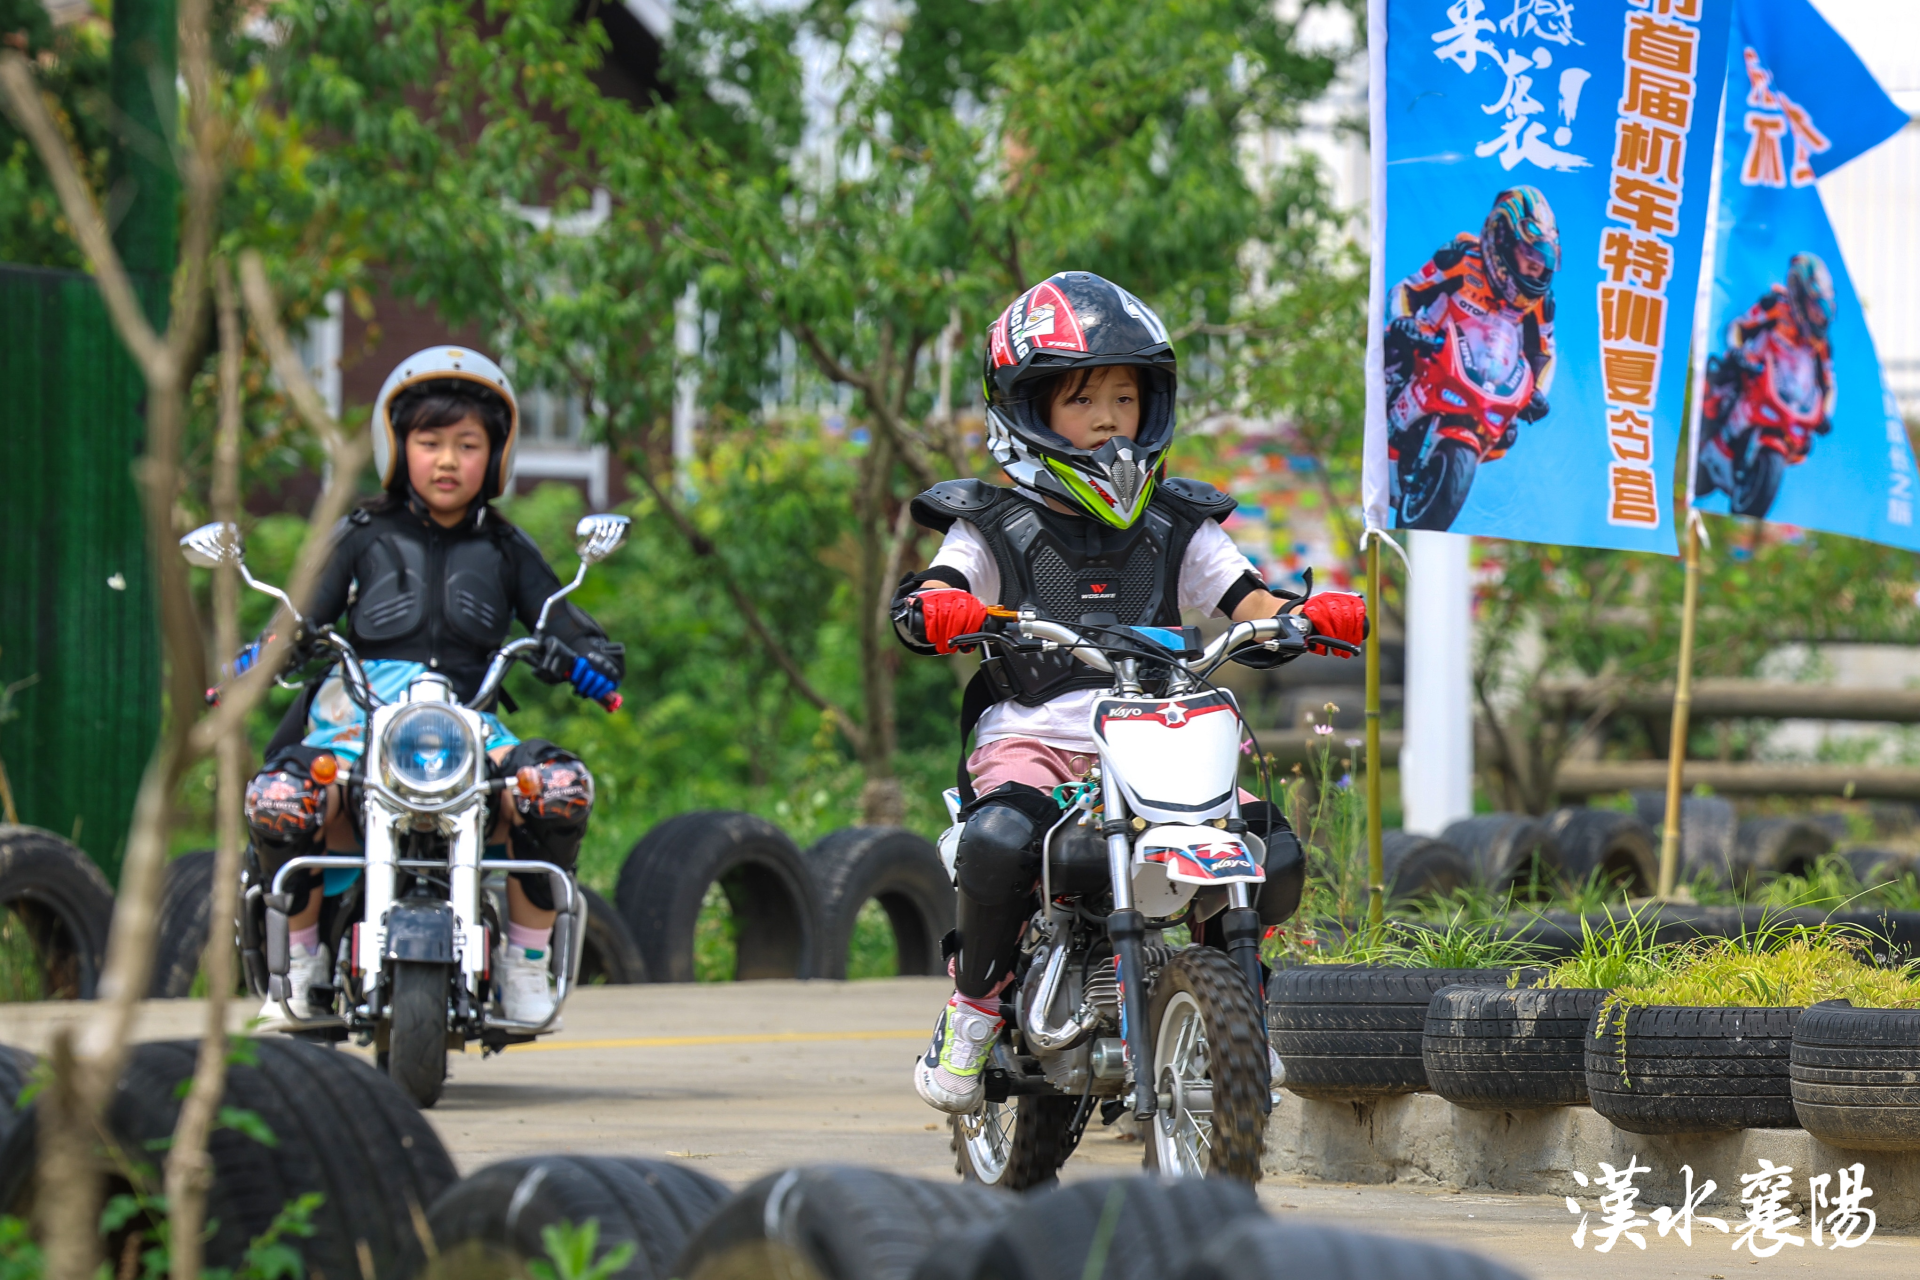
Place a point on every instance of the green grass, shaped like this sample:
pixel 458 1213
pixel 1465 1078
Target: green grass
pixel 1622 954
pixel 715 939
pixel 872 953
pixel 21 977
pixel 1775 968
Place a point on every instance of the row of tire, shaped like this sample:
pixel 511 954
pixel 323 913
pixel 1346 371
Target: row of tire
pixel 794 911
pixel 1568 847
pixel 1850 1077
pixel 392 1204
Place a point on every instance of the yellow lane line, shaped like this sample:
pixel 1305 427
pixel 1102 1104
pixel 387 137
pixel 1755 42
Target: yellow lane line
pixel 681 1042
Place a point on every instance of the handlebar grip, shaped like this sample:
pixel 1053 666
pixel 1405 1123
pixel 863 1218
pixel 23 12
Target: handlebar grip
pixel 612 702
pixel 213 696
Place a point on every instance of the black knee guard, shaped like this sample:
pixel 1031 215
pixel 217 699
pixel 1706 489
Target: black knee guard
pixel 286 813
pixel 552 793
pixel 995 867
pixel 1286 864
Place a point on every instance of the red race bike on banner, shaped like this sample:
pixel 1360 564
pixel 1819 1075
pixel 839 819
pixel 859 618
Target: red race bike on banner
pixel 1765 403
pixel 1458 409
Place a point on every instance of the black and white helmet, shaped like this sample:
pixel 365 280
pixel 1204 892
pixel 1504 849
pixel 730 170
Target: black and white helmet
pixel 1070 322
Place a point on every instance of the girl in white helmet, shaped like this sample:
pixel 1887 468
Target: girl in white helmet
pixel 430 576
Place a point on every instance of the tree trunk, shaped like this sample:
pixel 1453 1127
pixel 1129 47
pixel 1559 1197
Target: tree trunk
pixel 881 800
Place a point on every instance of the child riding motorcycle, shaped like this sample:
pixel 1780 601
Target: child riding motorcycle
pixel 1079 380
pixel 1501 279
pixel 431 577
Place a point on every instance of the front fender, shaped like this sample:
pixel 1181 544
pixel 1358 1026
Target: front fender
pixel 422 932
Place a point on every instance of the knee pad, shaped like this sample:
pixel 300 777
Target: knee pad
pixel 998 857
pixel 1286 864
pixel 552 793
pixel 286 806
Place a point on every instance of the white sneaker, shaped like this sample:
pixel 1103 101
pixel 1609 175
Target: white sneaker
pixel 305 970
pixel 952 1075
pixel 526 989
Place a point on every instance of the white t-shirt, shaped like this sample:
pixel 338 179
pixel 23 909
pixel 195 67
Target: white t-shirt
pixel 1211 565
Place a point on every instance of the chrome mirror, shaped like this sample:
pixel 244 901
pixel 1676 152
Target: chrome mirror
pixel 597 537
pixel 212 546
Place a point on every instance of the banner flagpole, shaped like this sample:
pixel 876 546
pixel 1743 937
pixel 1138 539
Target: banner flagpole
pixel 1373 472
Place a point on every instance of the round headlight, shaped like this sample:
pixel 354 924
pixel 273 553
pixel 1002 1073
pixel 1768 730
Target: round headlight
pixel 428 750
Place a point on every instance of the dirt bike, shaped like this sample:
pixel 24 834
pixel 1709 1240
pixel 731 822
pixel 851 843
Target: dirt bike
pixel 1451 415
pixel 1769 405
pixel 1104 1009
pixel 418 924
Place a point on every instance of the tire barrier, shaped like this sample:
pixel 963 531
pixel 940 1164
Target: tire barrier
pixel 1415 866
pixel 898 869
pixel 491 1223
pixel 1495 1049
pixel 63 905
pixel 341 1129
pixel 665 880
pixel 1856 1076
pixel 181 925
pixel 1355 1031
pixel 1708 825
pixel 1693 1070
pixel 1509 851
pixel 1263 1249
pixel 1616 849
pixel 608 954
pixel 836 1222
pixel 16 1069
pixel 1115 1228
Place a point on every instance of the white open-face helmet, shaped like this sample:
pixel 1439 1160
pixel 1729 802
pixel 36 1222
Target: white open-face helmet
pixel 447 364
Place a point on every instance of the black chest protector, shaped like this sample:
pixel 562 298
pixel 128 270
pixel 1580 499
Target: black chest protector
pixel 1072 569
pixel 438 590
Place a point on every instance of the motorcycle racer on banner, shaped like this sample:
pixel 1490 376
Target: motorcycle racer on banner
pixel 1469 355
pixel 1770 391
pixel 431 577
pixel 1079 380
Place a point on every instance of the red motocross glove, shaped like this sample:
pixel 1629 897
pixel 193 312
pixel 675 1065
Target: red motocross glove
pixel 950 612
pixel 1339 615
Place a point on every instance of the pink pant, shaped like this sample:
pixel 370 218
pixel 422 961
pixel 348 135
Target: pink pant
pixel 1036 764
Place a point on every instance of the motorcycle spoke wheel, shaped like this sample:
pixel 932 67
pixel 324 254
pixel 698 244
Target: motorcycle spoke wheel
pixel 1015 1144
pixel 1209 1071
pixel 1434 493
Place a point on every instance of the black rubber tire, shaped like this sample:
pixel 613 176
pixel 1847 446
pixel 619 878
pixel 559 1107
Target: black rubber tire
pixel 1146 1229
pixel 1042 1140
pixel 489 1223
pixel 1500 1049
pixel 1693 1070
pixel 1237 1063
pixel 342 1129
pixel 416 1053
pixel 899 868
pixel 1436 492
pixel 1415 865
pixel 1878 866
pixel 1617 847
pixel 610 956
pixel 1346 1031
pixel 1756 485
pixel 1264 1249
pixel 57 894
pixel 1769 847
pixel 16 1068
pixel 1708 825
pixel 184 918
pixel 1856 1076
pixel 1507 850
pixel 832 1222
pixel 665 880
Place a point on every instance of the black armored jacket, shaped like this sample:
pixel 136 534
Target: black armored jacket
pixel 416 591
pixel 1073 569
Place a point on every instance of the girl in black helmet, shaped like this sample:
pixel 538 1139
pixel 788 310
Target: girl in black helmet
pixel 431 577
pixel 1080 381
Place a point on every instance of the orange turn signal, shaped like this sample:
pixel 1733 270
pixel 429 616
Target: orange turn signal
pixel 528 780
pixel 324 769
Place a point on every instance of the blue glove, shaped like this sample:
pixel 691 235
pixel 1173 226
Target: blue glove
pixel 589 682
pixel 244 660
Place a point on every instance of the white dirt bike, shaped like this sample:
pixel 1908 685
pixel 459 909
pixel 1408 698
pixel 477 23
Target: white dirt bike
pixel 413 936
pixel 1103 1008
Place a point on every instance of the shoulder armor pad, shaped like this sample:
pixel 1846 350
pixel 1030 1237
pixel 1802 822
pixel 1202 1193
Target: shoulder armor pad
pixel 952 500
pixel 360 515
pixel 1205 500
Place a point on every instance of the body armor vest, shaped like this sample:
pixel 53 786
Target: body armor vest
pixel 1071 569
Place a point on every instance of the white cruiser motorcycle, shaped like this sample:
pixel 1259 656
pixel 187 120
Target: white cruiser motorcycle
pixel 412 938
pixel 1103 1008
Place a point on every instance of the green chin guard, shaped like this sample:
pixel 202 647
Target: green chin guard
pixel 1096 504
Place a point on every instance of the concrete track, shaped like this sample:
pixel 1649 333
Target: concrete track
pixel 756 1076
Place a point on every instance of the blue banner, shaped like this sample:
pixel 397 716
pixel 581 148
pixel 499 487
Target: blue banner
pixel 1546 181
pixel 1795 423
